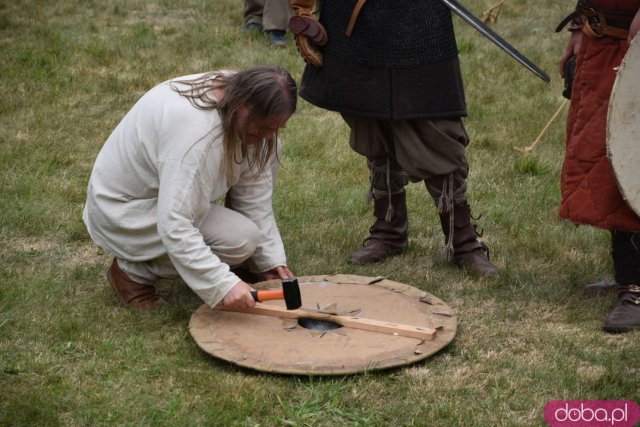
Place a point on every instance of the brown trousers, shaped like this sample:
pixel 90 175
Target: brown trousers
pixel 399 151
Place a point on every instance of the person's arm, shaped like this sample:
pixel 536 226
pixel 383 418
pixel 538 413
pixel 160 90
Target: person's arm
pixel 572 48
pixel 182 199
pixel 187 172
pixel 252 196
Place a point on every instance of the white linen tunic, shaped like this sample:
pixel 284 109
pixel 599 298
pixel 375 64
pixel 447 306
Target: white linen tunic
pixel 154 181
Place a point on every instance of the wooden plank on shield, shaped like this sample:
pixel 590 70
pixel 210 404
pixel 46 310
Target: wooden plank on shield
pixel 372 325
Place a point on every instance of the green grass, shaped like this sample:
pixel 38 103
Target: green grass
pixel 69 355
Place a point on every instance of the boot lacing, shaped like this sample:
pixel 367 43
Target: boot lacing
pixel 374 192
pixel 631 289
pixel 445 204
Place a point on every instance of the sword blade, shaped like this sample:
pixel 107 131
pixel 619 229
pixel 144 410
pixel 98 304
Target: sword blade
pixel 476 23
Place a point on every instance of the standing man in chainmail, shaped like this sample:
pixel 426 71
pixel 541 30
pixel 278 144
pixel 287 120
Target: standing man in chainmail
pixel 391 68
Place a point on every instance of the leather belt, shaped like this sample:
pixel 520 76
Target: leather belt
pixel 600 23
pixel 354 16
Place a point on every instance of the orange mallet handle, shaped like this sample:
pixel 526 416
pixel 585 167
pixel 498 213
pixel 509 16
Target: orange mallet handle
pixel 261 296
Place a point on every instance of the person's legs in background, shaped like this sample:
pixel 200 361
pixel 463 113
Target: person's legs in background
pixel 252 16
pixel 268 16
pixel 625 250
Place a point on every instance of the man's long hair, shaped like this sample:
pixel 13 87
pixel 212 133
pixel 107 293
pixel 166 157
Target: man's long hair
pixel 266 90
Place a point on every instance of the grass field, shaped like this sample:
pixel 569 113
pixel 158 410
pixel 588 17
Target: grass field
pixel 70 355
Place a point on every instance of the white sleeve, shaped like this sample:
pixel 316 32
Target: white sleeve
pixel 252 196
pixel 183 197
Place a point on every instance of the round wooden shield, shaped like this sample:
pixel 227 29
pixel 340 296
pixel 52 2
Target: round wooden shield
pixel 301 346
pixel 623 127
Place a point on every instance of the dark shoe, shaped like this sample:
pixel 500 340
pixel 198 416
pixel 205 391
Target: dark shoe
pixel 277 38
pixel 626 313
pixel 389 234
pixel 373 251
pixel 132 293
pixel 477 262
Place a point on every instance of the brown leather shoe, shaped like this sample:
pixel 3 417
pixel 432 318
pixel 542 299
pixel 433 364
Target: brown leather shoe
pixel 626 313
pixel 373 251
pixel 132 293
pixel 477 262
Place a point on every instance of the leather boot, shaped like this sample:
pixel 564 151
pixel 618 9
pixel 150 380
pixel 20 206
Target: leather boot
pixel 467 251
pixel 386 237
pixel 132 293
pixel 625 315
